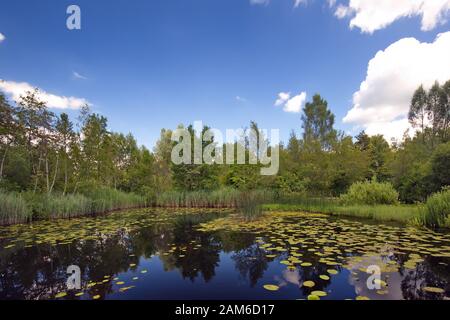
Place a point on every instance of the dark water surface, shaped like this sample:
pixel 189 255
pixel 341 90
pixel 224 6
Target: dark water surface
pixel 179 254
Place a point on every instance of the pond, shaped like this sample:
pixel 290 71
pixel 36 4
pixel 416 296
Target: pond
pixel 213 254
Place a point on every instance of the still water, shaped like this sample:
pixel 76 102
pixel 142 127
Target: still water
pixel 211 254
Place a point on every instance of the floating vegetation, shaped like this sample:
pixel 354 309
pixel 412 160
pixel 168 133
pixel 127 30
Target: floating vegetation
pixel 310 256
pixel 433 289
pixel 319 293
pixel 271 287
pixel 342 244
pixel 309 284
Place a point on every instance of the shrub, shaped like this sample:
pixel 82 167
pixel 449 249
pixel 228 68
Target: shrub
pixel 437 209
pixel 370 193
pixel 13 209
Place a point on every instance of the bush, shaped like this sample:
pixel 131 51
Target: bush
pixel 437 209
pixel 13 209
pixel 370 193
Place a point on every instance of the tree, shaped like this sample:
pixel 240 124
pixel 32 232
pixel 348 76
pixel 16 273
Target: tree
pixel 363 141
pixel 440 166
pixel 37 125
pixel 444 113
pixel 7 130
pixel 318 122
pixel 66 139
pixel 194 177
pixel 418 111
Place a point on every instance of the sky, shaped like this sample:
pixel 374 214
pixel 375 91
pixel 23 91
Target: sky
pixel 148 65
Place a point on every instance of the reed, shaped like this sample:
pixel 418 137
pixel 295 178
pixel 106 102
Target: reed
pixel 107 199
pixel 13 209
pixel 56 206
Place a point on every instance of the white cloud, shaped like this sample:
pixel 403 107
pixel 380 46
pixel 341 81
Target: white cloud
pixel 371 15
pixel 283 97
pixel 260 2
pixel 2 37
pixel 291 104
pixel 77 75
pixel 299 2
pixel 16 89
pixel 240 99
pixel 382 103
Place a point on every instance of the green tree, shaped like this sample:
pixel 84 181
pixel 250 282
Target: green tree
pixel 318 124
pixel 418 112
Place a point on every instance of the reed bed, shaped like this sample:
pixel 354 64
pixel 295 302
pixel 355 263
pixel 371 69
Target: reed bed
pixel 222 198
pixel 13 209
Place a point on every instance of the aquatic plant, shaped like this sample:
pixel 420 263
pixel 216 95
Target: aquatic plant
pixel 13 209
pixel 221 198
pixel 398 213
pixel 55 206
pixel 108 199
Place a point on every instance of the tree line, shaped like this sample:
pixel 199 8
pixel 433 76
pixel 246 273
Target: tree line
pixel 43 152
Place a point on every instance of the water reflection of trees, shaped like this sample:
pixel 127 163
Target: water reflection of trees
pixel 39 272
pixel 429 273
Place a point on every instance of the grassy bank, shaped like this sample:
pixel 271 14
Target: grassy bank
pixel 25 207
pixel 396 213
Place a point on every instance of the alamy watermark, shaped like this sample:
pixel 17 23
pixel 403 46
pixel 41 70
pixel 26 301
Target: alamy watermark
pixel 73 22
pixel 239 147
pixel 374 281
pixel 74 280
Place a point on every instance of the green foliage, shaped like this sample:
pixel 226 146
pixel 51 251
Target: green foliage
pixel 13 209
pixel 370 193
pixel 437 209
pixel 440 166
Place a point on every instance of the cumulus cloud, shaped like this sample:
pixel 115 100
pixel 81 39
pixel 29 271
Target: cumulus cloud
pixel 16 89
pixel 2 37
pixel 382 103
pixel 370 15
pixel 291 104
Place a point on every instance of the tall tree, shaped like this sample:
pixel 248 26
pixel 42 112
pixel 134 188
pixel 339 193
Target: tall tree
pixel 318 124
pixel 418 111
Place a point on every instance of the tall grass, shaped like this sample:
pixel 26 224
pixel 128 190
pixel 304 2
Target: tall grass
pixel 437 210
pixel 55 206
pixel 221 198
pixel 395 213
pixel 107 199
pixel 20 208
pixel 13 209
pixel 249 204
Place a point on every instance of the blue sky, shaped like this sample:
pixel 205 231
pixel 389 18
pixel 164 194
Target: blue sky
pixel 148 65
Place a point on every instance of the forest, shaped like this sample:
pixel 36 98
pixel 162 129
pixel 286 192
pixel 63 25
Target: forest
pixel 52 166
